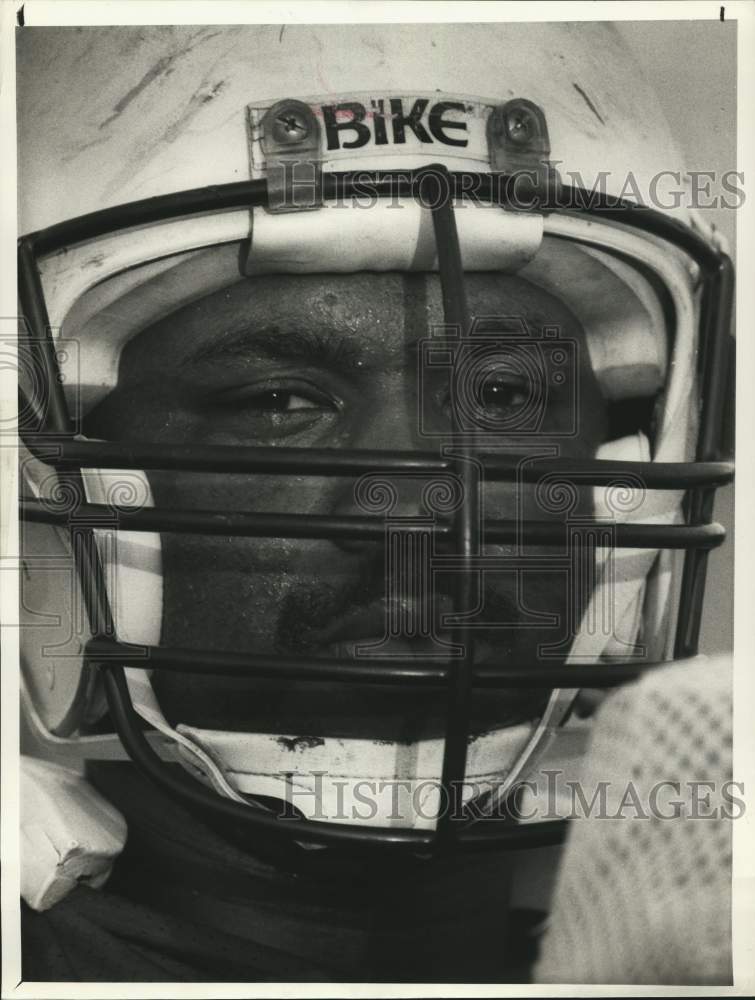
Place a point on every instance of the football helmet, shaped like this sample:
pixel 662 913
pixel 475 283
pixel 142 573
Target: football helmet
pixel 159 167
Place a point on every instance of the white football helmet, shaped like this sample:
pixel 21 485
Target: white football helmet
pixel 161 165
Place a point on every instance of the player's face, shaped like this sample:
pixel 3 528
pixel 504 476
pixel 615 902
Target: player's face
pixel 334 362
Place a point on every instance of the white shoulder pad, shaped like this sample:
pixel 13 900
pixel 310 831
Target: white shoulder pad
pixel 69 833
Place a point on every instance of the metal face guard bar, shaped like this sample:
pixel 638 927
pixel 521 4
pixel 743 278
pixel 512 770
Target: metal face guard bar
pixel 69 452
pixel 54 444
pixel 386 670
pixel 363 527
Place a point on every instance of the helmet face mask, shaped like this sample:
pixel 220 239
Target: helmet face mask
pixel 282 361
pixel 298 465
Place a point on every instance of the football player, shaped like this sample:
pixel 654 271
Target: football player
pixel 363 424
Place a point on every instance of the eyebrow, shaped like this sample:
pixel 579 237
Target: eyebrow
pixel 331 350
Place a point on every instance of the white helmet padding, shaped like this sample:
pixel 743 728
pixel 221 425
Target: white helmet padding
pixel 323 777
pixel 70 835
pixel 129 287
pixel 618 309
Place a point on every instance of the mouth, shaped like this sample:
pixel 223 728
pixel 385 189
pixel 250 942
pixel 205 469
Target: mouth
pixel 402 714
pixel 403 629
pixel 399 627
pixel 397 617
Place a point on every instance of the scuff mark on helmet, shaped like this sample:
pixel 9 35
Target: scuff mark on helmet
pixel 213 92
pixel 161 67
pixel 204 95
pixel 96 260
pixel 588 102
pixel 297 744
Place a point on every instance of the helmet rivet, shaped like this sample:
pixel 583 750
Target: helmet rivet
pixel 519 125
pixel 289 127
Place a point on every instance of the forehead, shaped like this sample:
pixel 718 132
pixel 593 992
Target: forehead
pixel 375 313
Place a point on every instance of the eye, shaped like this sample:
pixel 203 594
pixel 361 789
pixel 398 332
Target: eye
pixel 280 401
pixel 271 410
pixel 495 395
pixel 267 399
pixel 501 392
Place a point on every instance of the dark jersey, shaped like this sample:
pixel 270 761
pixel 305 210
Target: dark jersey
pixel 189 902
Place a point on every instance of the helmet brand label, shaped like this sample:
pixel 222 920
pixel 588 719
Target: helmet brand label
pixel 389 121
pixel 398 130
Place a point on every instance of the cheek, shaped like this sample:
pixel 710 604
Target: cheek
pixel 260 493
pixel 229 592
pixel 207 599
pixel 550 498
pixel 141 412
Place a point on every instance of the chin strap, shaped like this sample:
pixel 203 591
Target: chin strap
pixel 356 781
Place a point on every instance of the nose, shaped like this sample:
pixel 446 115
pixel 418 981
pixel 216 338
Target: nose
pixel 387 424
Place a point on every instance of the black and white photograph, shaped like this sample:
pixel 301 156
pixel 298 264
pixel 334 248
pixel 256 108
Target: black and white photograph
pixel 372 621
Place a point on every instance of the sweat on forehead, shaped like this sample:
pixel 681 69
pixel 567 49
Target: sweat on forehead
pixel 364 314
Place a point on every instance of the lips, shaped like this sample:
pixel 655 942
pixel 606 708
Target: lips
pixel 403 620
pixel 396 629
pixel 373 630
pixel 401 628
pixel 404 713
